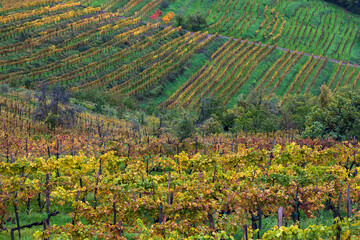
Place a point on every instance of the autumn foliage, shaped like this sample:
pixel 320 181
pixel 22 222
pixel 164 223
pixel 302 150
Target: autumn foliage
pixel 154 16
pixel 151 184
pixel 168 17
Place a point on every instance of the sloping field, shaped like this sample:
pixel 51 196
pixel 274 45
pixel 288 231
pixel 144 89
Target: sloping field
pixel 240 67
pixel 85 48
pixel 122 56
pixel 313 26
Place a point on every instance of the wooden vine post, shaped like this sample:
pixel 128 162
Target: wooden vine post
pixel 161 213
pixel 47 198
pixel 280 216
pixel 245 232
pixel 170 195
pixel 96 185
pixel 348 202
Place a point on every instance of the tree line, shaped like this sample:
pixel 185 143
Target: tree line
pixel 330 114
pixel 351 5
pixel 335 115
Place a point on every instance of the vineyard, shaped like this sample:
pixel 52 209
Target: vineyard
pixel 156 119
pixel 242 67
pixel 179 196
pixel 117 53
pixel 311 26
pixel 104 178
pixel 110 56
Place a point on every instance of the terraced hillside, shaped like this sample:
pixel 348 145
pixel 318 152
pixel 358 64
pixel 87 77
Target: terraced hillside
pixel 124 54
pixel 102 50
pixel 313 26
pixel 241 67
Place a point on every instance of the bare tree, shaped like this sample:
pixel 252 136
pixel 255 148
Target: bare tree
pixel 54 107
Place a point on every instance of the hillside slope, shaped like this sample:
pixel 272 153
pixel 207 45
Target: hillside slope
pixel 121 54
pixel 313 26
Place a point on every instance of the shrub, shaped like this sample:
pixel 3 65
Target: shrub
pixel 164 4
pixel 337 117
pixel 185 129
pixel 179 21
pixel 4 88
pixel 211 126
pixel 196 22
